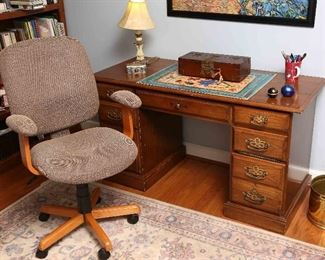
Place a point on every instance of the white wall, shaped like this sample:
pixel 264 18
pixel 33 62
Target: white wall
pixel 94 23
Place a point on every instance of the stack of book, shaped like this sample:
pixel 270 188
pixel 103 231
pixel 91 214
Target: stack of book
pixel 3 7
pixel 38 27
pixel 28 4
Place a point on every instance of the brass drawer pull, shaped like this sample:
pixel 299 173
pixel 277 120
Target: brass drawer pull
pixel 258 120
pixel 256 144
pixel 178 106
pixel 254 197
pixel 114 115
pixel 255 172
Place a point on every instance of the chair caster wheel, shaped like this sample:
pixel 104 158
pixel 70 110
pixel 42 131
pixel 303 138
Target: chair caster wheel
pixel 133 218
pixel 43 217
pixel 99 200
pixel 41 254
pixel 103 254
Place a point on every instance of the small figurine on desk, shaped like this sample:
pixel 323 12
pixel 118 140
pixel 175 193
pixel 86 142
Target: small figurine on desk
pixel 272 92
pixel 136 67
pixel 139 67
pixel 288 90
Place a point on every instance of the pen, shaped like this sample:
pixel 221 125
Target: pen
pixel 303 56
pixel 298 58
pixel 285 56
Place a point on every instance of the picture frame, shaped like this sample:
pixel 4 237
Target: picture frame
pixel 291 12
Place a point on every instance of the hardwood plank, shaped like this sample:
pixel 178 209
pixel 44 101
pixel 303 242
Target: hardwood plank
pixel 15 183
pixel 203 186
pixel 194 183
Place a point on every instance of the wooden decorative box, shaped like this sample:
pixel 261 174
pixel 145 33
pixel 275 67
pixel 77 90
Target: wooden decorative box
pixel 208 65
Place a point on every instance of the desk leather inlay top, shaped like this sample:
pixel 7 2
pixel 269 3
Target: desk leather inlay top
pixel 169 78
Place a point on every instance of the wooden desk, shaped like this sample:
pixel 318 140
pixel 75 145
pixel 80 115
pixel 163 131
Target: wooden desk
pixel 264 190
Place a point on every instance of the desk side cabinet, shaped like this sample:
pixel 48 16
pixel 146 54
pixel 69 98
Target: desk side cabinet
pixel 264 187
pixel 158 137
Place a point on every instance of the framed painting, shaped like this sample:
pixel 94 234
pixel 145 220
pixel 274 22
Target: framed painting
pixel 282 12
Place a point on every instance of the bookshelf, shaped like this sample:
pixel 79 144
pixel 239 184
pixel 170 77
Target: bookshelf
pixel 7 20
pixel 56 8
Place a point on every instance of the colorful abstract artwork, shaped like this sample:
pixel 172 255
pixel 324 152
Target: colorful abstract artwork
pixel 285 12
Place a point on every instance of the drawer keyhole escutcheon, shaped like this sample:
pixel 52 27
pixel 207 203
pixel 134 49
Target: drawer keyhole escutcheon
pixel 257 144
pixel 258 120
pixel 255 172
pixel 254 197
pixel 114 115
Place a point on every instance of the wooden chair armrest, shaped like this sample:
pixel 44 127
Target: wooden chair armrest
pixel 25 154
pixel 129 101
pixel 127 122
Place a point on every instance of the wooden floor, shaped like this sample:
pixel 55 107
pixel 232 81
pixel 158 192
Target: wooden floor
pixel 194 184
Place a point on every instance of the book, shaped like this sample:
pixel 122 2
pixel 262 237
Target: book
pixel 30 7
pixel 3 7
pixel 20 34
pixel 61 29
pixel 54 26
pixel 35 28
pixel 22 25
pixel 30 30
pixel 5 39
pixel 8 5
pixel 13 37
pixel 45 27
pixel 3 99
pixel 26 3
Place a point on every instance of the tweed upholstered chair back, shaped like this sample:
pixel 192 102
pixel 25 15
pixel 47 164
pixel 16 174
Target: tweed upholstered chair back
pixel 50 81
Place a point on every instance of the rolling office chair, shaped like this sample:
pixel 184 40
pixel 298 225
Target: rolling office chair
pixel 51 87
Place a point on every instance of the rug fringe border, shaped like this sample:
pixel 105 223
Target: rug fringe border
pixel 232 222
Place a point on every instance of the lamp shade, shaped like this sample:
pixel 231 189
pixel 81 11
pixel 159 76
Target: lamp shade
pixel 136 16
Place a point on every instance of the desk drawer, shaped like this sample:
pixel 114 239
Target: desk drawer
pixel 105 90
pixel 186 106
pixel 261 143
pixel 261 119
pixel 111 114
pixel 256 195
pixel 258 170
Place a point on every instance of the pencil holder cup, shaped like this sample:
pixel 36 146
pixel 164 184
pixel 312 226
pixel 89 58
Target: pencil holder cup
pixel 292 71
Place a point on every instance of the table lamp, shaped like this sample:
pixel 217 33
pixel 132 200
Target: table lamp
pixel 136 17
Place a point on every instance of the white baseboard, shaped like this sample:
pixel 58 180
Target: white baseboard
pixel 207 152
pixel 297 172
pixel 316 173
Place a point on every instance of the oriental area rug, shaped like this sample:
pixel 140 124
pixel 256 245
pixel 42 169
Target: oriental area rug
pixel 169 78
pixel 163 232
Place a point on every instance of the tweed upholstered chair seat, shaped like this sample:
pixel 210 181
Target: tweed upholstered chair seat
pixel 51 87
pixel 86 156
